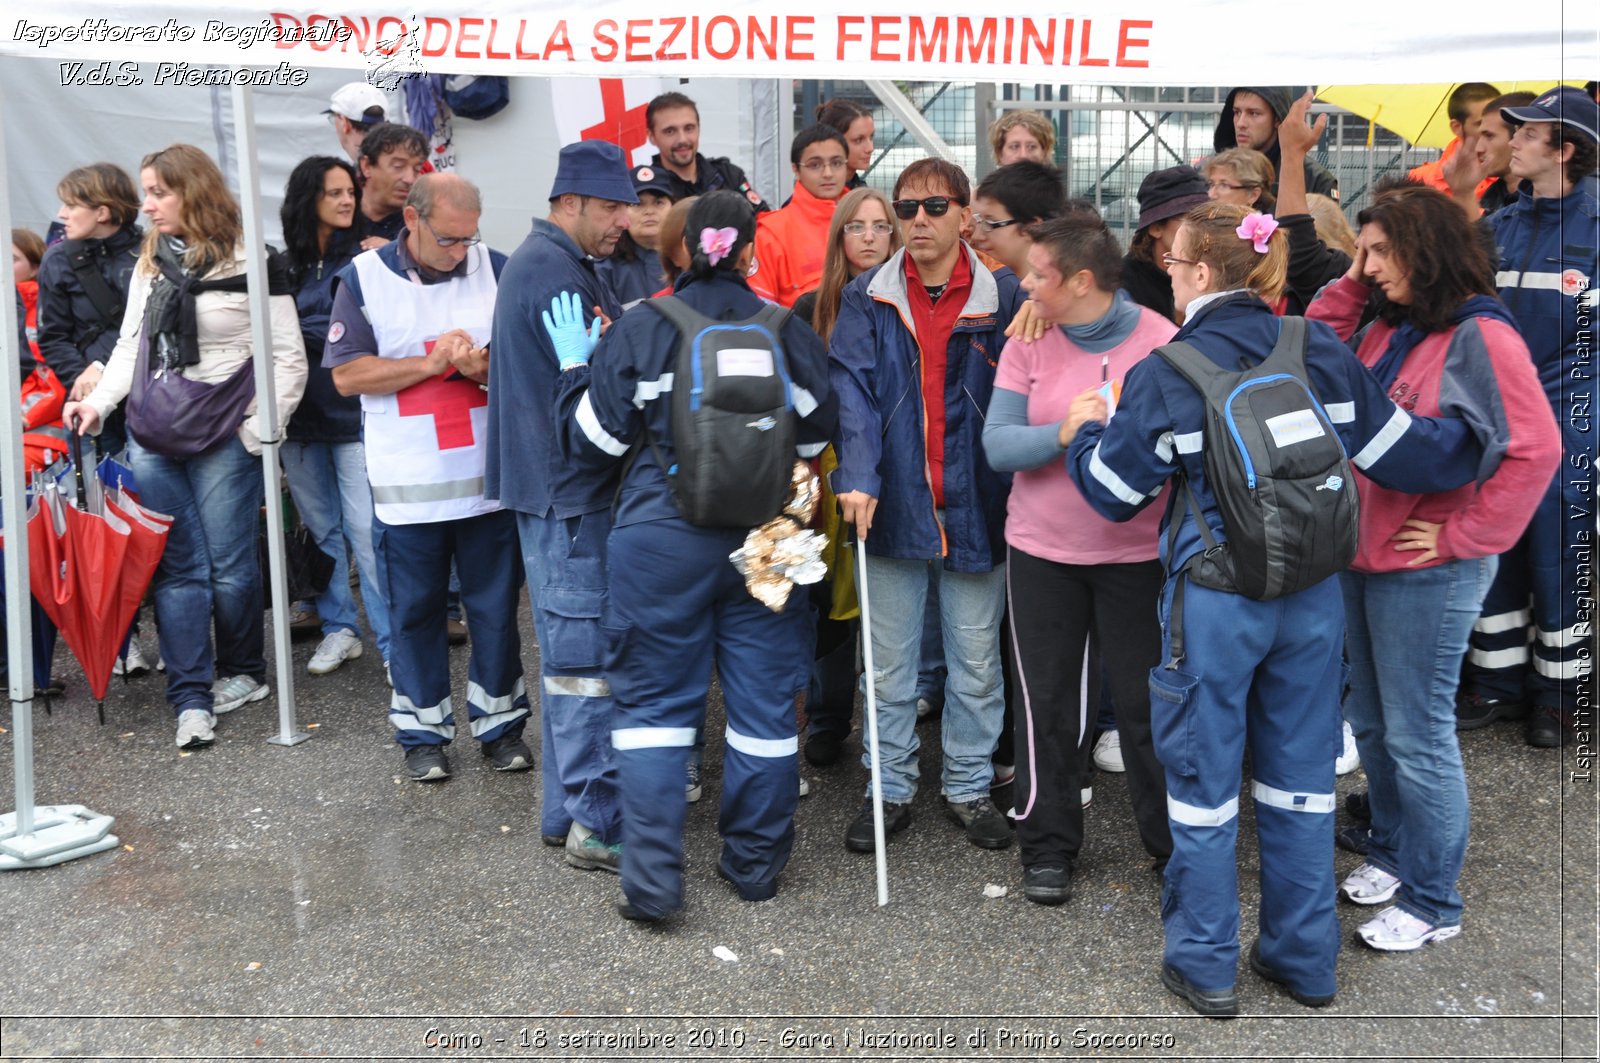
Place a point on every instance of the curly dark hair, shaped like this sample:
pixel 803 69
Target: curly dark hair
pixel 299 210
pixel 1444 260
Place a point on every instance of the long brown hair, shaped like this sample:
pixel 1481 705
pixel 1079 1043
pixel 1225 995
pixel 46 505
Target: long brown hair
pixel 835 267
pixel 206 209
pixel 671 236
pixel 1444 262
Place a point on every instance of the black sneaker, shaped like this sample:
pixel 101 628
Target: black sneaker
pixel 1047 883
pixel 1474 711
pixel 824 748
pixel 1355 838
pixel 985 826
pixel 858 838
pixel 1212 1003
pixel 1359 805
pixel 1548 728
pixel 508 753
pixel 427 763
pixel 1310 1000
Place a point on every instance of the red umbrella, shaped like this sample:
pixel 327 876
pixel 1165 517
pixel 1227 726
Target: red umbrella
pixel 89 572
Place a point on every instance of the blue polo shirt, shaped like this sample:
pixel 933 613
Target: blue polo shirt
pixel 525 471
pixel 350 335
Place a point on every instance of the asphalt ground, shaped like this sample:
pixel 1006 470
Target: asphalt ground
pixel 281 903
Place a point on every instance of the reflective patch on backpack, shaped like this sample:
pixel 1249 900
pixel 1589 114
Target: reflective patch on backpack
pixel 1290 428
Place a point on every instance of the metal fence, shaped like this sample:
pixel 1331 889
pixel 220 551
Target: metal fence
pixel 1107 137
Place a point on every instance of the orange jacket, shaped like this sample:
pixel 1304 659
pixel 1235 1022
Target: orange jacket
pixel 790 246
pixel 1432 173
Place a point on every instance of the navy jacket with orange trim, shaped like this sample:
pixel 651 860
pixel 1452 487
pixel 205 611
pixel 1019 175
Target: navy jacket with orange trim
pixel 875 367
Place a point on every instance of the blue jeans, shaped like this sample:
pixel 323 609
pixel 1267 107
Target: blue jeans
pixel 1407 632
pixel 328 482
pixel 566 562
pixel 210 570
pixel 974 705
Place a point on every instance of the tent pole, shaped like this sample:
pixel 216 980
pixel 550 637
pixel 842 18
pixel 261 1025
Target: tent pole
pixel 29 837
pixel 244 125
pixel 19 621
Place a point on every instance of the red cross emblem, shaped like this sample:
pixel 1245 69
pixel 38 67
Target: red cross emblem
pixel 623 126
pixel 449 402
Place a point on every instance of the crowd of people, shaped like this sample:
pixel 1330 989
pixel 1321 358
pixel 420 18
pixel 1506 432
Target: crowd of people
pixel 994 392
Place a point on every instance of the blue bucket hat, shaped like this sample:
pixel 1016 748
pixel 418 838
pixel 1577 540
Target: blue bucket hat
pixel 594 168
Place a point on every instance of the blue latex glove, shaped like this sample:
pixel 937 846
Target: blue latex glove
pixel 563 323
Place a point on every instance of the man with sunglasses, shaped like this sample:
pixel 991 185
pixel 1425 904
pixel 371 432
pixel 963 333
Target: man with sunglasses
pixel 563 513
pixel 792 242
pixel 409 333
pixel 913 359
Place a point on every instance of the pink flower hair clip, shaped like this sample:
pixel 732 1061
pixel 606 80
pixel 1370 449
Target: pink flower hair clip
pixel 718 243
pixel 1258 229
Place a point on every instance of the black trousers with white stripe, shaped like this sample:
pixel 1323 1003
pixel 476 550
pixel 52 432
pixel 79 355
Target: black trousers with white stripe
pixel 1053 609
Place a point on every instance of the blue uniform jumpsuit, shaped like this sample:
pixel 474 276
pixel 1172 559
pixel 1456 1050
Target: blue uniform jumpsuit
pixel 677 606
pixel 1547 276
pixel 1262 674
pixel 563 517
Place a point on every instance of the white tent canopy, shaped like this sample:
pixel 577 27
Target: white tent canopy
pixel 1152 42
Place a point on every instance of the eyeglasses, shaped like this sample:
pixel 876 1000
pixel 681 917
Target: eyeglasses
pixel 452 241
pixel 859 228
pixel 1225 186
pixel 1170 259
pixel 990 223
pixel 936 206
pixel 819 165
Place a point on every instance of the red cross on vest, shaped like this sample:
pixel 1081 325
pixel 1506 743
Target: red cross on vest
pixel 621 125
pixel 450 402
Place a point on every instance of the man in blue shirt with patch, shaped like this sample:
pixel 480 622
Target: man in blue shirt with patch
pixel 563 513
pixel 1547 239
pixel 408 333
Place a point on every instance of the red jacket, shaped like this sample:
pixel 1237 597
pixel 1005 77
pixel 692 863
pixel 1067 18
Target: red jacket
pixel 790 245
pixel 1479 520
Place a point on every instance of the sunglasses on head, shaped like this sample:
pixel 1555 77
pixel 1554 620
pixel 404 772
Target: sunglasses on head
pixel 936 206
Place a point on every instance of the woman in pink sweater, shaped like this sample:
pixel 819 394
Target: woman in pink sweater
pixel 1069 571
pixel 1442 344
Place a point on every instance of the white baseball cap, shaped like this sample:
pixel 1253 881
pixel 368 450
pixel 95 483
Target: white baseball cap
pixel 359 102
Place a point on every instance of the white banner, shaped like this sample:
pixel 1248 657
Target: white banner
pixel 1157 42
pixel 606 109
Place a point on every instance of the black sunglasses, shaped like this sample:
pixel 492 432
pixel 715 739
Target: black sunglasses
pixel 936 206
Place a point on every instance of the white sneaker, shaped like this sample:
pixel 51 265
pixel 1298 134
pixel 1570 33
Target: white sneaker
pixel 194 728
pixel 1004 775
pixel 1349 760
pixel 335 649
pixel 1086 796
pixel 805 787
pixel 133 664
pixel 388 676
pixel 692 790
pixel 1108 752
pixel 1395 930
pixel 1369 885
pixel 924 708
pixel 236 690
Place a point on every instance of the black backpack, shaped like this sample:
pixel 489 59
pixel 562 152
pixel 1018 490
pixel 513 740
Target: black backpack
pixel 1278 471
pixel 733 417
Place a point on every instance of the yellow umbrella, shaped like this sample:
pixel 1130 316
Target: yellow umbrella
pixel 1416 112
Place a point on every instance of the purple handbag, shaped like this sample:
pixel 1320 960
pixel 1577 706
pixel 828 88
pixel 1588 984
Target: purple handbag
pixel 182 418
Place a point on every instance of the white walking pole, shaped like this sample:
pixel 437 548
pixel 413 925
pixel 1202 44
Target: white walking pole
pixel 879 848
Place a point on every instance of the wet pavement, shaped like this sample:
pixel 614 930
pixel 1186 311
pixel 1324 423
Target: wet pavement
pixel 272 902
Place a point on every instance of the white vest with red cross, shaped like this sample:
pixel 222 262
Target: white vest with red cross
pixel 425 444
